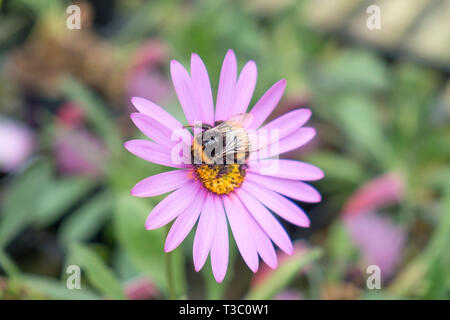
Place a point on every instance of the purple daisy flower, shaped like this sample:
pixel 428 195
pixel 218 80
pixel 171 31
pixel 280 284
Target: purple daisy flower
pixel 245 194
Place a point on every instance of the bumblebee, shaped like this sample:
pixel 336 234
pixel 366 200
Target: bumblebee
pixel 223 146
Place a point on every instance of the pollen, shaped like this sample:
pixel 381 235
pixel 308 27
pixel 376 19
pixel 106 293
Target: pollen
pixel 221 179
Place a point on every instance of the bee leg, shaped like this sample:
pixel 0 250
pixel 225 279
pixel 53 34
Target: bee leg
pixel 222 171
pixel 242 169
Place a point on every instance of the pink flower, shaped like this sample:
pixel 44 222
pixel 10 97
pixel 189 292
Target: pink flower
pixel 144 77
pixel 289 294
pixel 76 149
pixel 382 191
pixel 244 194
pixel 140 289
pixel 379 240
pixel 16 144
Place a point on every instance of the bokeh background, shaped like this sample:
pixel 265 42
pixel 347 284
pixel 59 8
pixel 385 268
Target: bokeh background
pixel 381 105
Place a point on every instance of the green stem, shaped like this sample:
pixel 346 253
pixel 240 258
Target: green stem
pixel 169 272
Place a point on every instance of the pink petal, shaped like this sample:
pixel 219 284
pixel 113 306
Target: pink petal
pixel 380 241
pixel 153 129
pixel 219 247
pixel 264 107
pixel 289 122
pixel 172 205
pixel 152 110
pixel 237 214
pixel 287 169
pixel 152 152
pixel 277 203
pixel 291 142
pixel 381 191
pixel 184 223
pixel 227 83
pixel 263 244
pixel 205 232
pixel 245 86
pixel 161 183
pixel 202 89
pixel 266 220
pixel 290 188
pixel 184 89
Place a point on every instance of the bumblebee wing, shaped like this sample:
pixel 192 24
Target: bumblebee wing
pixel 241 120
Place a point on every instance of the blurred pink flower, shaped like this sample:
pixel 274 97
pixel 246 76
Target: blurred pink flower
pixel 140 288
pixel 70 114
pixel 77 151
pixel 382 191
pixel 16 144
pixel 379 240
pixel 289 294
pixel 145 78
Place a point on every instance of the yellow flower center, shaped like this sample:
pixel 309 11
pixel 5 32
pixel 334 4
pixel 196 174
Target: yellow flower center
pixel 221 179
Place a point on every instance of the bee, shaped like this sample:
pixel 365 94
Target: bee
pixel 224 144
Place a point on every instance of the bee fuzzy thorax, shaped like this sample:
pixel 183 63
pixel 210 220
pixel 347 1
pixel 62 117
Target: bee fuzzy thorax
pixel 221 179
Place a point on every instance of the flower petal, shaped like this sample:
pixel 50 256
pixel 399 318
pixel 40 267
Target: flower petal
pixel 161 183
pixel 263 244
pixel 287 169
pixel 264 107
pixel 202 89
pixel 184 223
pixel 172 205
pixel 277 203
pixel 290 188
pixel 205 232
pixel 236 214
pixel 291 142
pixel 152 152
pixel 243 91
pixel 266 220
pixel 219 247
pixel 152 110
pixel 227 83
pixel 289 122
pixel 153 129
pixel 184 89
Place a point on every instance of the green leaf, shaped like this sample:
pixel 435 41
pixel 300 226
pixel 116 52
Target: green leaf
pixel 55 289
pixel 59 197
pixel 423 267
pixel 99 275
pixel 146 247
pixel 96 112
pixel 20 200
pixel 353 70
pixel 8 265
pixel 338 167
pixel 283 275
pixel 340 249
pixel 358 119
pixel 86 220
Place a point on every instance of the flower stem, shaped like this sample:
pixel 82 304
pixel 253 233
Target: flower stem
pixel 169 272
